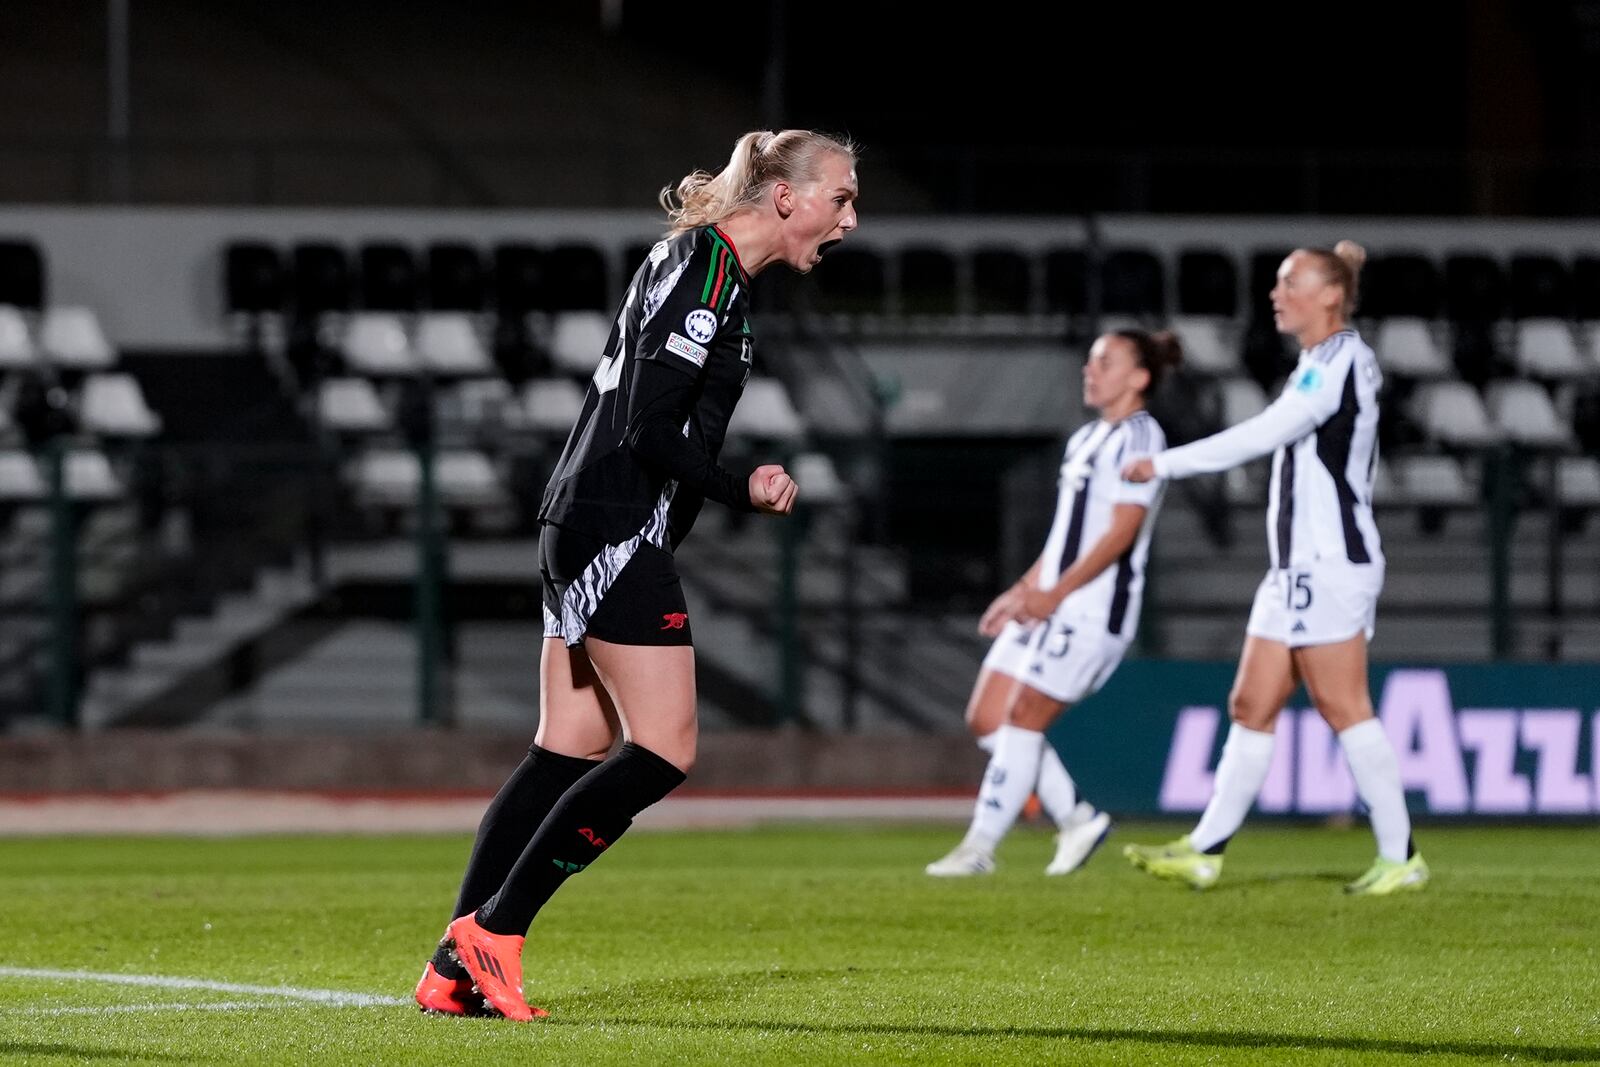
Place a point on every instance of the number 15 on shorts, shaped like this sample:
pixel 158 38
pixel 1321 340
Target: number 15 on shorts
pixel 1297 590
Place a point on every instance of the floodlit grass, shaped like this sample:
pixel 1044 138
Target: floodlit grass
pixel 816 945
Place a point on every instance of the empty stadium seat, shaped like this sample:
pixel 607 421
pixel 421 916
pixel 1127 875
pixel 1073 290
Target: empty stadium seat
pixel 1002 282
pixel 1131 283
pixel 16 346
pixel 467 479
pixel 1523 412
pixel 1066 281
pixel 20 478
pixel 519 280
pixel 853 281
pixel 1578 481
pixel 552 405
pixel 388 277
pixel 22 282
pixel 455 277
pixel 1242 399
pixel 578 340
pixel 114 405
pixel 1474 289
pixel 1540 287
pixel 1207 344
pixel 575 278
pixel 321 279
pixel 72 339
pixel 375 344
pixel 1400 284
pixel 254 280
pixel 1452 413
pixel 1406 347
pixel 90 477
pixel 1208 283
pixel 1547 348
pixel 927 281
pixel 818 480
pixel 1433 481
pixel 392 477
pixel 765 412
pixel 351 405
pixel 447 344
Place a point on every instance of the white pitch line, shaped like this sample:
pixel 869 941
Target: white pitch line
pixel 130 1009
pixel 337 998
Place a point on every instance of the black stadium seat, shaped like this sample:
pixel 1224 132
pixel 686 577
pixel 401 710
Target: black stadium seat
pixel 1541 288
pixel 1066 281
pixel 1401 285
pixel 519 279
pixel 851 281
pixel 576 278
pixel 1002 281
pixel 455 277
pixel 1586 288
pixel 1474 289
pixel 388 277
pixel 253 277
pixel 927 281
pixel 1132 283
pixel 21 274
pixel 321 279
pixel 1208 283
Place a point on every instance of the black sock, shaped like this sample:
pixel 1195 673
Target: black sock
pixel 1216 849
pixel 508 824
pixel 582 825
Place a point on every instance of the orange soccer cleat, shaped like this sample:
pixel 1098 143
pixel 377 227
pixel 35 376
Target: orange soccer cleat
pixel 447 996
pixel 494 961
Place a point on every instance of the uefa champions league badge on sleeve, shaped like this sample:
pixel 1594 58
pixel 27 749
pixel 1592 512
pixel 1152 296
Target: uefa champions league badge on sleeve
pixel 700 325
pixel 1310 380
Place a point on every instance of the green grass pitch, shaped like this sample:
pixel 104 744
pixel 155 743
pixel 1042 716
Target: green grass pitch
pixel 811 945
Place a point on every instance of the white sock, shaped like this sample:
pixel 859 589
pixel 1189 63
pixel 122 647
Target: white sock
pixel 1057 793
pixel 1377 776
pixel 1013 769
pixel 1246 755
pixel 986 742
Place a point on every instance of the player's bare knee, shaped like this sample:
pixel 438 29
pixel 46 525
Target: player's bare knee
pixel 1251 712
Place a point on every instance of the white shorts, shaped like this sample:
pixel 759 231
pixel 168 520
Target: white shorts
pixel 1322 604
pixel 1064 659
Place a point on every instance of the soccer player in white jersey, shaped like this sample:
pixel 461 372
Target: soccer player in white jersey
pixel 1315 610
pixel 1061 630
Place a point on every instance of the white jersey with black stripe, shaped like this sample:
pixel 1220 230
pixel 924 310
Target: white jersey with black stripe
pixel 1090 488
pixel 1319 505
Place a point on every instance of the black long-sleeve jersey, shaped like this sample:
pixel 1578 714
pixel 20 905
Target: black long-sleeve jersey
pixel 643 455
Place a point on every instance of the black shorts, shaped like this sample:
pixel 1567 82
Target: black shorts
pixel 627 594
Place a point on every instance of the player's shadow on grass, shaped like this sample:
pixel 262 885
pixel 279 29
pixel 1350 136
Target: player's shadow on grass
pixel 1193 1038
pixel 1338 878
pixel 725 987
pixel 82 1052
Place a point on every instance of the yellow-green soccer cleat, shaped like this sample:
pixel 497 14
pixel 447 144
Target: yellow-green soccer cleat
pixel 1387 876
pixel 1177 861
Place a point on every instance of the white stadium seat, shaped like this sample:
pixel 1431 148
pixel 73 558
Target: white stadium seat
pixel 578 340
pixel 351 405
pixel 765 411
pixel 1452 413
pixel 114 405
pixel 1242 398
pixel 374 344
pixel 1431 480
pixel 818 479
pixel 1206 347
pixel 1406 347
pixel 16 347
pixel 1523 412
pixel 448 344
pixel 71 338
pixel 552 405
pixel 1547 348
pixel 1578 481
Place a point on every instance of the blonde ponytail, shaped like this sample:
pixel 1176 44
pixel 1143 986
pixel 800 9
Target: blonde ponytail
pixel 760 159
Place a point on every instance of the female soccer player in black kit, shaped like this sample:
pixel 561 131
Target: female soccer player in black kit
pixel 642 458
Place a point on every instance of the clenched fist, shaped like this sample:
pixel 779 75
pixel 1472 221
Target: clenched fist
pixel 772 491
